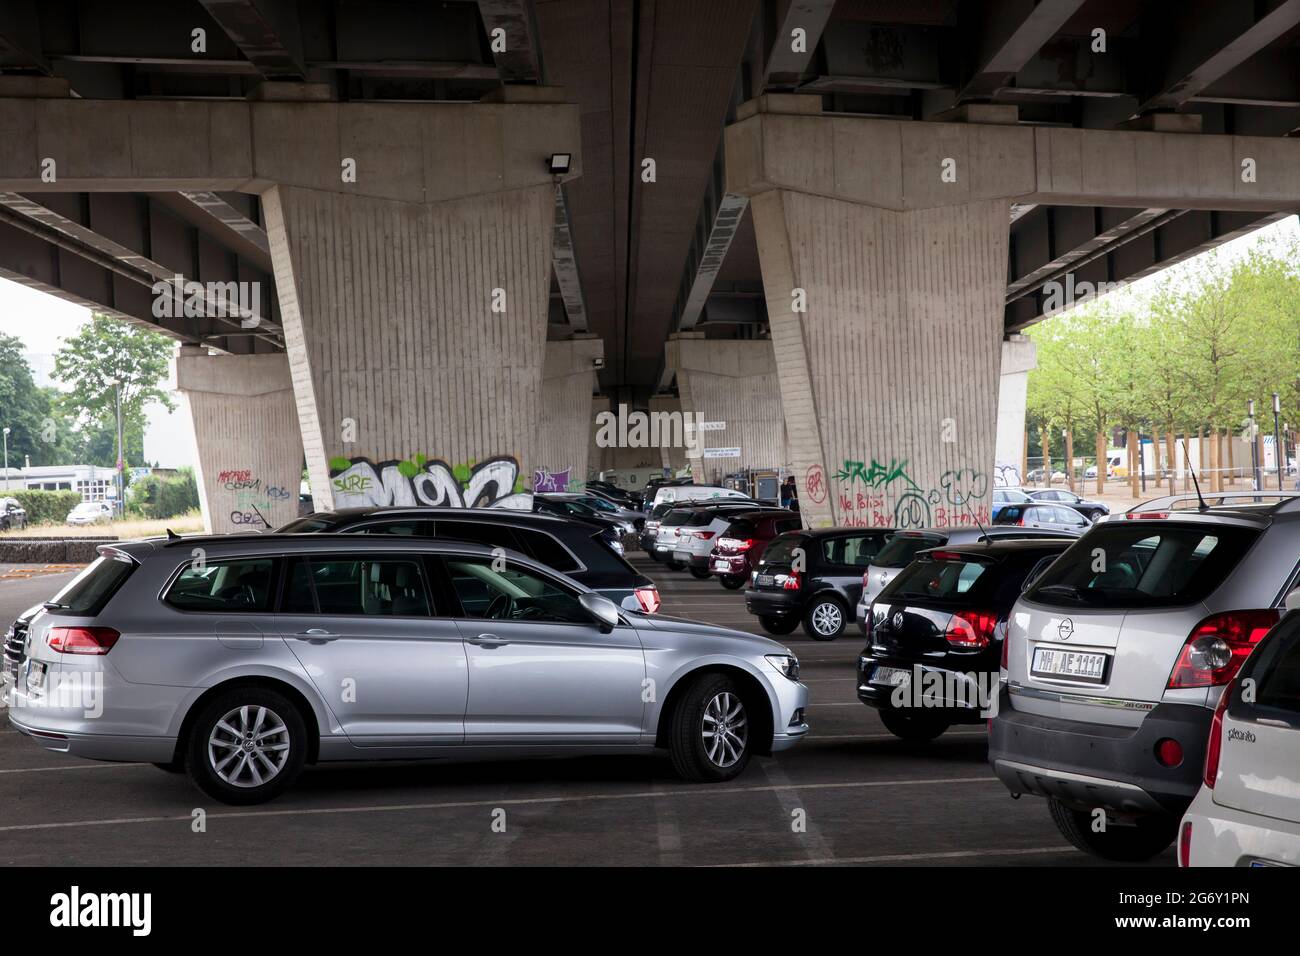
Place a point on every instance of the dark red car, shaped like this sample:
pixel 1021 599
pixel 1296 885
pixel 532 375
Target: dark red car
pixel 740 546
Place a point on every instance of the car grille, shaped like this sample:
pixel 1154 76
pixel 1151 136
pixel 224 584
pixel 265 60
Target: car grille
pixel 15 641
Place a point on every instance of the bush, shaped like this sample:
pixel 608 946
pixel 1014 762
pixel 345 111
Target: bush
pixel 46 507
pixel 156 497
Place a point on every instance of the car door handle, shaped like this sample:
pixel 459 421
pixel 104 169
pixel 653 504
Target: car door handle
pixel 316 635
pixel 488 640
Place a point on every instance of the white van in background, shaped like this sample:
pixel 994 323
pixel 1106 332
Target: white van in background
pixel 671 493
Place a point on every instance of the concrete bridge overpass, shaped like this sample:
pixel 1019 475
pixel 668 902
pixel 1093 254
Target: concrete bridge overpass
pixel 820 223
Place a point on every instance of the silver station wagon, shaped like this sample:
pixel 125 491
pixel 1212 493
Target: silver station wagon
pixel 240 659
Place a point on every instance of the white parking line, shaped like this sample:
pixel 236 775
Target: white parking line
pixel 521 801
pixel 905 857
pixel 76 766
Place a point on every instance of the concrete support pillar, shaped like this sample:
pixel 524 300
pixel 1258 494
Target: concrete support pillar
pixel 1019 358
pixel 568 380
pixel 884 249
pixel 246 433
pixel 731 387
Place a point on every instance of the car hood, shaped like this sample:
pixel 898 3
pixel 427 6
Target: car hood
pixel 725 635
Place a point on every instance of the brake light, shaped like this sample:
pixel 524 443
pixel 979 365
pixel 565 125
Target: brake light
pixel 971 629
pixel 702 535
pixel 792 581
pixel 1021 522
pixel 82 640
pixel 945 556
pixel 1185 845
pixel 1211 772
pixel 648 598
pixel 736 544
pixel 1140 515
pixel 1217 647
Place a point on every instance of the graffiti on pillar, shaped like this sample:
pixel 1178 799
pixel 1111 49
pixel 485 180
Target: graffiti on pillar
pixel 815 483
pixel 1006 476
pixel 252 497
pixel 959 499
pixel 544 480
pixel 494 483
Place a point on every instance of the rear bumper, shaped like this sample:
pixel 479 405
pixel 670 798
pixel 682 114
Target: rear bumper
pixel 1098 765
pixel 102 746
pixel 967 710
pixel 772 603
pixel 1224 836
pixel 691 559
pixel 735 564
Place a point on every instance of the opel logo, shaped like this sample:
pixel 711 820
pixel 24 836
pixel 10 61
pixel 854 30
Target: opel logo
pixel 897 621
pixel 1065 629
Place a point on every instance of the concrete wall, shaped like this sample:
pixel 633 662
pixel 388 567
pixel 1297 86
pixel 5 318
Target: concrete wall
pixel 1019 358
pixel 246 433
pixel 566 437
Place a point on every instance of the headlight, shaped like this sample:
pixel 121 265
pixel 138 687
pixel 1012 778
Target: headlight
pixel 787 664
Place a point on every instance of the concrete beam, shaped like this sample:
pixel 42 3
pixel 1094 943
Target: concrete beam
pixel 1015 33
pixel 564 260
pixel 862 160
pixel 786 62
pixel 266 31
pixel 20 36
pixel 519 61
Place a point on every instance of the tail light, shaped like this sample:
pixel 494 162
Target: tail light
pixel 1185 845
pixel 1216 648
pixel 648 598
pixel 1212 748
pixel 792 581
pixel 971 629
pixel 82 640
pixel 736 544
pixel 702 535
pixel 1006 651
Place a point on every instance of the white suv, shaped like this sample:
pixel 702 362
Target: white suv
pixel 1247 812
pixel 1117 654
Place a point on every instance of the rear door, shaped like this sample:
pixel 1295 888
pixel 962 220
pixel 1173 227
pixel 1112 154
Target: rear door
pixel 846 558
pixel 1259 756
pixel 1098 634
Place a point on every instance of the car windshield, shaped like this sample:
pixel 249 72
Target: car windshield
pixel 903 547
pixel 600 504
pixel 87 507
pixel 1159 564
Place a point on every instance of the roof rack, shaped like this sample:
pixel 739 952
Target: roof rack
pixel 1281 501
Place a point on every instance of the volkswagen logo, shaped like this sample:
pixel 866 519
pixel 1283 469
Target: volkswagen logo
pixel 897 620
pixel 1065 629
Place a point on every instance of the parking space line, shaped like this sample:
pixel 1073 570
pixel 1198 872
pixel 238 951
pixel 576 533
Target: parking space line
pixel 906 857
pixel 519 801
pixel 75 766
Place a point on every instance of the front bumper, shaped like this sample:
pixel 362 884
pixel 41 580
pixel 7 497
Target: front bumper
pixel 791 708
pixel 1091 765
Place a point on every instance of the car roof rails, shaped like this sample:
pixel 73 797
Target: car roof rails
pixel 1279 502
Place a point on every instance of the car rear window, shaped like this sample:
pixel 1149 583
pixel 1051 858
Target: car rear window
pixel 1144 565
pixel 938 578
pixel 741 528
pixel 1012 512
pixel 902 548
pixel 781 550
pixel 678 517
pixel 87 593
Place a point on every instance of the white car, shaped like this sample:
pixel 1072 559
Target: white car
pixel 1247 812
pixel 688 493
pixel 90 512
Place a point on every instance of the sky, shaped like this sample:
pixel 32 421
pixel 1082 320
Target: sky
pixel 42 321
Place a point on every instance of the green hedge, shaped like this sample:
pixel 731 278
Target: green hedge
pixel 155 497
pixel 47 507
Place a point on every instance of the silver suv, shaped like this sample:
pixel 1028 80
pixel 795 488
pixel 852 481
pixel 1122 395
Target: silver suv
pixel 1117 654
pixel 242 658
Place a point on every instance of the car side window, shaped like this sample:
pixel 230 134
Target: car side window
pixel 241 585
pixel 357 584
pixel 544 548
pixel 480 532
pixel 852 550
pixel 488 591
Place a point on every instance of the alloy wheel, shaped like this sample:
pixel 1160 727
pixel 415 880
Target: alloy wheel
pixel 827 618
pixel 249 746
pixel 725 729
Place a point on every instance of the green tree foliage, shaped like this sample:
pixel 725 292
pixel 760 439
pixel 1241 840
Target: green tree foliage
pixel 104 351
pixel 36 426
pixel 154 496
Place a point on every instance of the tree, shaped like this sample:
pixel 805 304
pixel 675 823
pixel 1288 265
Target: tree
pixel 36 426
pixel 104 351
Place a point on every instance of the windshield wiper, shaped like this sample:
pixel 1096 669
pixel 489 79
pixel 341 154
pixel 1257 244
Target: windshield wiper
pixel 55 606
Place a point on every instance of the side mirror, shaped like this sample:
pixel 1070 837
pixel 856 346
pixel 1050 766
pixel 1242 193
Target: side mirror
pixel 602 610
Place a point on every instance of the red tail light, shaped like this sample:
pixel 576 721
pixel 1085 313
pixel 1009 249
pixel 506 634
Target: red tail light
pixel 736 544
pixel 1185 845
pixel 648 598
pixel 702 535
pixel 971 629
pixel 1006 650
pixel 1216 648
pixel 792 581
pixel 1212 748
pixel 82 640
pixel 1021 522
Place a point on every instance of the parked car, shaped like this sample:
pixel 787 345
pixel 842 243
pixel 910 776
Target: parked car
pixel 945 616
pixel 1042 515
pixel 579 550
pixel 1117 656
pixel 1092 510
pixel 232 667
pixel 90 512
pixel 617 527
pixel 681 515
pixel 739 547
pixel 1008 496
pixel 654 484
pixel 13 516
pixel 612 492
pixel 812 577
pixel 1039 474
pixel 684 493
pixel 906 545
pixel 696 537
pixel 631 519
pixel 1247 810
pixel 650 530
pixel 11 649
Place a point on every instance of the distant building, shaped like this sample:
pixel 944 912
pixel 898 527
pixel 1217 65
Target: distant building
pixel 92 482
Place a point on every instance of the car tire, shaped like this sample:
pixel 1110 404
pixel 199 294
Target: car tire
pixel 243 709
pixel 825 619
pixel 733 582
pixel 674 565
pixel 701 574
pixel 915 728
pixel 1148 838
pixel 778 625
pixel 698 753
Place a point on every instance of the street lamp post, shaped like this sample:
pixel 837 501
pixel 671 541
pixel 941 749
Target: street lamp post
pixel 1279 455
pixel 120 506
pixel 6 458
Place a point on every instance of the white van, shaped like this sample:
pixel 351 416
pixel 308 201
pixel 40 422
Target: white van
pixel 671 493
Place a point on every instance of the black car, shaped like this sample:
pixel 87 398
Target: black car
pixel 935 633
pixel 575 548
pixel 612 492
pixel 1092 510
pixel 13 516
pixel 813 577
pixel 565 507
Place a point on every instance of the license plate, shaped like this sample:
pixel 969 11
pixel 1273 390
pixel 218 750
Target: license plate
pixel 36 674
pixel 764 580
pixel 721 566
pixel 891 676
pixel 1073 665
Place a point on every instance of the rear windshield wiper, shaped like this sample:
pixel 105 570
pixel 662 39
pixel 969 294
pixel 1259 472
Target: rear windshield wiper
pixel 55 606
